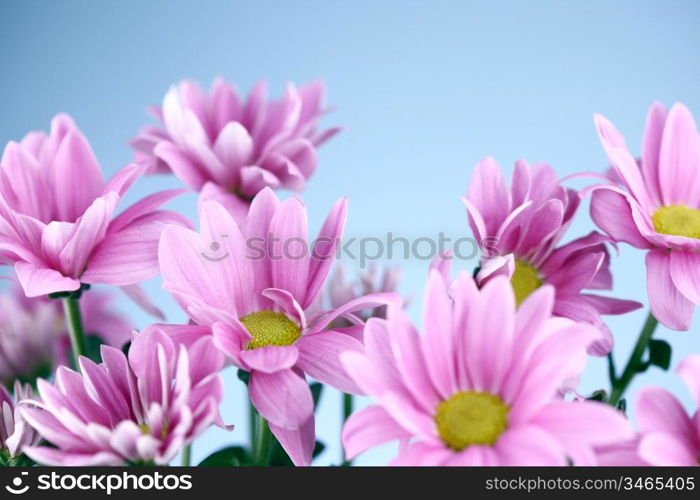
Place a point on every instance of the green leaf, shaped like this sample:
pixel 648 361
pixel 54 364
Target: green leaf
pixel 599 395
pixel 279 458
pixel 243 376
pixel 20 460
pixel 316 391
pixel 660 354
pixel 232 456
pixel 622 405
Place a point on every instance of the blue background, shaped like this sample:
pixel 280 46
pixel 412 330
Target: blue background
pixel 425 90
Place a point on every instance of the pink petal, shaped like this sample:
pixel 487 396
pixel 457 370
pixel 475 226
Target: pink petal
pixel 90 230
pixel 651 147
pixel 668 305
pixel 270 359
pixel 679 158
pixel 141 299
pixel 298 443
pixel 283 397
pixel 324 250
pixel 529 446
pixel 235 205
pixel 666 450
pixel 37 280
pixel 182 166
pixel 319 357
pixel 685 273
pixel 234 146
pixel 611 212
pixel 487 191
pixel 571 424
pixel 77 176
pixel 437 341
pixel 370 427
pixel 52 456
pixel 130 255
pixel 219 276
pixel 658 410
pixel 290 253
pixel 689 372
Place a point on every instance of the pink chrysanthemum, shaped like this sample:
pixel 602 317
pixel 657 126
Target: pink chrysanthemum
pixel 34 338
pixel 518 229
pixel 341 290
pixel 15 434
pixel 251 288
pixel 669 436
pixel 143 409
pixel 57 222
pixel 656 207
pixel 229 147
pixel 481 385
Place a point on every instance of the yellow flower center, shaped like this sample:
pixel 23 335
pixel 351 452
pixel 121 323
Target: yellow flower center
pixel 524 281
pixel 270 328
pixel 471 418
pixel 677 220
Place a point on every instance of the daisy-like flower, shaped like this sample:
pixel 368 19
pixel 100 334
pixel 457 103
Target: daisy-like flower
pixel 656 207
pixel 251 288
pixel 15 434
pixel 481 385
pixel 229 147
pixel 518 229
pixel 34 339
pixel 669 436
pixel 143 409
pixel 341 290
pixel 57 222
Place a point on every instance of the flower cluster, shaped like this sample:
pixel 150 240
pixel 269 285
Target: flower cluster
pixel 491 380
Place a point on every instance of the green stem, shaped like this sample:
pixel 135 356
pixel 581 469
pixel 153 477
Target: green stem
pixel 252 422
pixel 634 365
pixel 263 440
pixel 347 411
pixel 187 455
pixel 71 309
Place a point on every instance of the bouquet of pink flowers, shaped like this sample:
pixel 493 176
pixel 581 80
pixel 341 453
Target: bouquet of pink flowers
pixel 489 379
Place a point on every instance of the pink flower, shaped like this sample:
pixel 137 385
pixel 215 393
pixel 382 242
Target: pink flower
pixel 518 230
pixel 656 207
pixel 341 290
pixel 230 148
pixel 34 339
pixel 669 436
pixel 57 221
pixel 140 410
pixel 251 288
pixel 15 434
pixel 622 454
pixel 480 386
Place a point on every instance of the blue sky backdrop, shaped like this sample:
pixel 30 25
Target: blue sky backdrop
pixel 425 89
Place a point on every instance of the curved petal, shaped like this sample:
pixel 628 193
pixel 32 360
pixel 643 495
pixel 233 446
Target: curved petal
pixel 298 443
pixel 685 273
pixel 611 211
pixel 270 359
pixel 368 428
pixel 37 280
pixel 689 372
pixel 319 357
pixel 283 397
pixel 666 450
pixel 657 410
pixel 668 305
